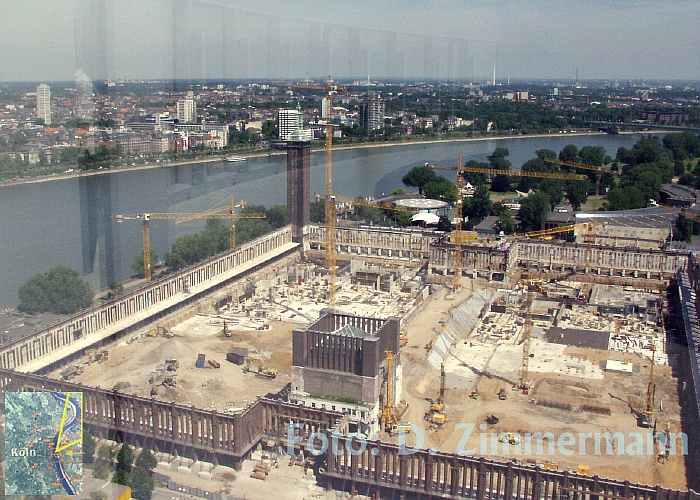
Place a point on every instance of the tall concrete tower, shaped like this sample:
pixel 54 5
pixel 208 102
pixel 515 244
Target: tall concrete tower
pixel 43 103
pixel 298 187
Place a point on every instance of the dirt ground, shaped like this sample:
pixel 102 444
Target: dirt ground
pixel 222 389
pixel 621 393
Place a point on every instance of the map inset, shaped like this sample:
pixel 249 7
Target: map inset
pixel 43 443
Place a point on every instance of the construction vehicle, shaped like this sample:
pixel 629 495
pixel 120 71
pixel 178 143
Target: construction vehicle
pixel 388 418
pixel 646 419
pixel 436 414
pixel 502 395
pixel 261 371
pixel 509 437
pixel 439 404
pixel 72 372
pixel 226 331
pixel 474 394
pixel 171 365
pixel 397 428
pixel 184 217
pixel 403 339
pixel 169 381
pixel 214 363
pixel 268 373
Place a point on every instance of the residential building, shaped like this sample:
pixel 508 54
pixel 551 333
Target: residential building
pixel 43 103
pixel 372 112
pixel 291 126
pixel 187 110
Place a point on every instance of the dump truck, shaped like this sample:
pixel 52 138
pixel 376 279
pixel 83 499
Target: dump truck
pixel 502 394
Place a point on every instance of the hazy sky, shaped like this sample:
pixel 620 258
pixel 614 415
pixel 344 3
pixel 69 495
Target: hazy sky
pixel 459 40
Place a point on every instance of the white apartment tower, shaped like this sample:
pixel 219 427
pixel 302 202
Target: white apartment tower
pixel 187 110
pixel 326 109
pixel 289 122
pixel 43 103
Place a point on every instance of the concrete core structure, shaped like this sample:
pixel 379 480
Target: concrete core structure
pixel 298 187
pixel 338 363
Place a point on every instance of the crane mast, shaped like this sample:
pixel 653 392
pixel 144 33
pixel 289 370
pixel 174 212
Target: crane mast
pixel 647 419
pixel 330 200
pixel 458 233
pixel 389 413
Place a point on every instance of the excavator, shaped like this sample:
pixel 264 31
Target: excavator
pixel 436 414
pixel 646 419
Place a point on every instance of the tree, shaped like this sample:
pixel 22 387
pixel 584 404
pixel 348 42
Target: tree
pixel 534 211
pixel 569 153
pixel 146 460
pixel 142 484
pixel 269 130
pixel 121 476
pixel 497 160
pixel 125 457
pixel 592 155
pixel 105 453
pixel 554 189
pixel 419 177
pixel 683 230
pixel 317 210
pixel 89 446
pixel 137 263
pixel 276 216
pixel 478 207
pixel 441 189
pixel 506 222
pixel 98 495
pixel 577 193
pixel 59 291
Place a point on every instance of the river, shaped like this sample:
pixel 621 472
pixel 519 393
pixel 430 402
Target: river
pixel 70 221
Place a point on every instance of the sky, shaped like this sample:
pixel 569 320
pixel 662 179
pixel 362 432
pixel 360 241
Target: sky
pixel 459 40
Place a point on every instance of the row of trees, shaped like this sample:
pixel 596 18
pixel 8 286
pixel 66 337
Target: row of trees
pixel 126 471
pixel 192 248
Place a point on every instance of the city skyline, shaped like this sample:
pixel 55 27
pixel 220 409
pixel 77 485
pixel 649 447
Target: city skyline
pixel 456 41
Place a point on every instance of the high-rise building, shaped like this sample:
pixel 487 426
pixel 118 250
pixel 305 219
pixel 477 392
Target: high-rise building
pixel 288 122
pixel 372 112
pixel 187 110
pixel 43 103
pixel 326 108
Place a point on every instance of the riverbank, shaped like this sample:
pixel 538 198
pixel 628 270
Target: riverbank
pixel 340 147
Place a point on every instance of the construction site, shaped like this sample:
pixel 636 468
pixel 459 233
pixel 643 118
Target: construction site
pixel 517 368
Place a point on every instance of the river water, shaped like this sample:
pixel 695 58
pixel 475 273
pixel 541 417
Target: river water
pixel 70 221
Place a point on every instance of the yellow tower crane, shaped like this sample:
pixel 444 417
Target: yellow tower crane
pixel 389 418
pixel 145 218
pixel 459 237
pixel 329 89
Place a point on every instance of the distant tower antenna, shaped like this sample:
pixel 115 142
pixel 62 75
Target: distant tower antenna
pixel 494 75
pixel 576 76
